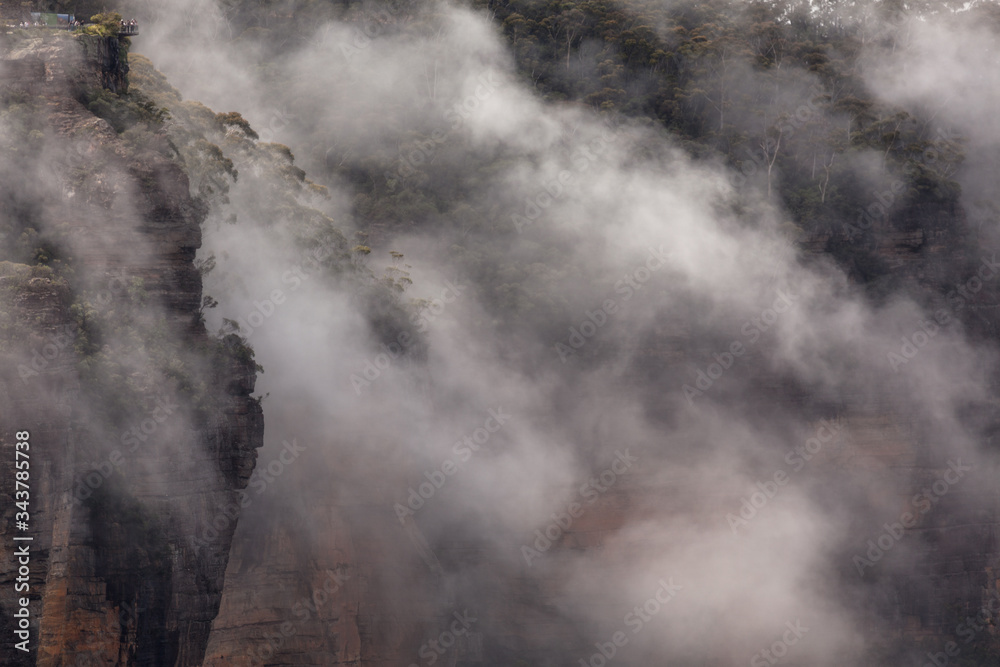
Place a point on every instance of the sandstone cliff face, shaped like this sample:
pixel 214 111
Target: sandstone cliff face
pixel 142 428
pixel 322 581
pixel 111 60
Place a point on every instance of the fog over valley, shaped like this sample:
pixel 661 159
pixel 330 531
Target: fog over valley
pixel 516 334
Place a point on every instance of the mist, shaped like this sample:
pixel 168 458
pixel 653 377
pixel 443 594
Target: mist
pixel 654 395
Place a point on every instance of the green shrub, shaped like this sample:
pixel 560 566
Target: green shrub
pixel 106 24
pixel 125 111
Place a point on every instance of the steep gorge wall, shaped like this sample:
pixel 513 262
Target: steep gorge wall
pixel 130 458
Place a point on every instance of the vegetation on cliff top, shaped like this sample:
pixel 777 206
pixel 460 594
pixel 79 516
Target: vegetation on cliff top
pixel 773 89
pixel 105 24
pixel 217 149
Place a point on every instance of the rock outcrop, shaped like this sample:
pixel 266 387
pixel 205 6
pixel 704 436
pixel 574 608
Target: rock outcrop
pixel 142 427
